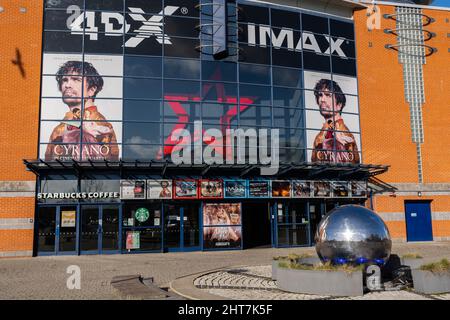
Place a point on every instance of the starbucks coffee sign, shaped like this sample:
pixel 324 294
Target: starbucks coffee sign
pixel 142 214
pixel 78 195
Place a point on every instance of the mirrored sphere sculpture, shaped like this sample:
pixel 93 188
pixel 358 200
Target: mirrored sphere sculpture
pixel 353 234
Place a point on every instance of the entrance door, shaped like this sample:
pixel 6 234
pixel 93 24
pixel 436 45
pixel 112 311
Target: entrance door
pixel 99 229
pixel 418 221
pixel 57 230
pixel 181 227
pixel 292 224
pixel 46 242
pixel 66 230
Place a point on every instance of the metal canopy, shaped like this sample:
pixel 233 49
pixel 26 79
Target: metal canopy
pixel 316 171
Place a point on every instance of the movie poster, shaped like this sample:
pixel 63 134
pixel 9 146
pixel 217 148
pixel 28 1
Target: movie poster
pixel 281 189
pixel 211 189
pixel 332 118
pixel 159 189
pixel 322 189
pixel 81 107
pixel 259 189
pixel 132 189
pixel 222 225
pixel 133 240
pixel 235 188
pixel 359 189
pixel 340 189
pixel 185 189
pixel 301 189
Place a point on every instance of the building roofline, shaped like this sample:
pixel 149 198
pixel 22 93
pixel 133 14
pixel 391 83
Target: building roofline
pixel 409 5
pixel 355 5
pixel 345 3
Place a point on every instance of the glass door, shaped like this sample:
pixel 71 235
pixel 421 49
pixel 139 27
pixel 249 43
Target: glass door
pixel 181 227
pixel 90 229
pixel 99 229
pixel 292 224
pixel 191 227
pixel 66 230
pixel 46 230
pixel 172 227
pixel 110 229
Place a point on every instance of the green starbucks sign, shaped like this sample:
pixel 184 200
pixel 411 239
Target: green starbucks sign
pixel 142 214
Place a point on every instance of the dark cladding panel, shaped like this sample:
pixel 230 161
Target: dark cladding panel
pixel 63 4
pixel 342 29
pixel 344 66
pixel 107 5
pixel 103 43
pixel 252 54
pixel 313 61
pixel 285 19
pixel 185 8
pixel 62 42
pixel 182 47
pixel 253 14
pixel 314 24
pixel 181 27
pixel 286 58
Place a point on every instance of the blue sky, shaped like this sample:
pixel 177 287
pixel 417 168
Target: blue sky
pixel 441 3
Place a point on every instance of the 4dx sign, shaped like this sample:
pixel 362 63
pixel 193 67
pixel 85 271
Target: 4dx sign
pixel 115 24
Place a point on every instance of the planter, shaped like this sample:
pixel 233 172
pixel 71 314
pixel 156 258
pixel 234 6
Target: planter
pixel 274 269
pixel 309 260
pixel 324 283
pixel 413 263
pixel 430 283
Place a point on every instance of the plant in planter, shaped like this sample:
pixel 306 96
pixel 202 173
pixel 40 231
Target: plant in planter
pixel 320 279
pixel 412 260
pixel 292 258
pixel 432 278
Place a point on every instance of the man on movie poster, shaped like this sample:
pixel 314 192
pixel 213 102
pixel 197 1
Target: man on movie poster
pixel 96 134
pixel 335 142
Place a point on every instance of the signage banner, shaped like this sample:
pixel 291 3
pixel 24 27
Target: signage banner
pixel 132 189
pixel 68 218
pixel 211 189
pixel 259 189
pixel 159 189
pixel 340 189
pixel 359 189
pixel 185 189
pixel 322 189
pixel 281 189
pixel 301 189
pixel 235 188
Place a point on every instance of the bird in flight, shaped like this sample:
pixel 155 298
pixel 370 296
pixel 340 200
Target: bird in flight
pixel 18 62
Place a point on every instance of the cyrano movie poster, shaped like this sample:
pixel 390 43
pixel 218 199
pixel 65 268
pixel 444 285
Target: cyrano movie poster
pixel 332 119
pixel 81 108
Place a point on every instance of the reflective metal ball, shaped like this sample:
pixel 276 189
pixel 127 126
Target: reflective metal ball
pixel 353 234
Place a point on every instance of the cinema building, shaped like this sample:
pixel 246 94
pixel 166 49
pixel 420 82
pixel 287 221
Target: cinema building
pixel 133 126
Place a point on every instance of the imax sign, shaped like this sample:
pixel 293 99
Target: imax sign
pixel 286 38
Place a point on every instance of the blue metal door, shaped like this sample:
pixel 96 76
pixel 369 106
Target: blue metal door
pixel 418 221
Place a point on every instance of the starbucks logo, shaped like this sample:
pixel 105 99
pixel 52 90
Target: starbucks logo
pixel 142 214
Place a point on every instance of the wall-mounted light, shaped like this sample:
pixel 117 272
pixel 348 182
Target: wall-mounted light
pixel 23 10
pixel 1 9
pixel 419 194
